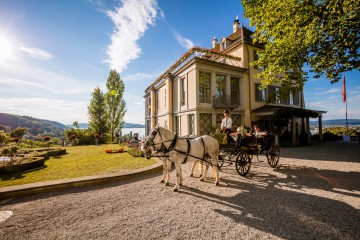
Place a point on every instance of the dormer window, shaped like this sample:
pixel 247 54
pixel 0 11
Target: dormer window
pixel 223 46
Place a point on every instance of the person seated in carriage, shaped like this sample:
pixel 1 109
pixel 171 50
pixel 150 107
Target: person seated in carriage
pixel 261 134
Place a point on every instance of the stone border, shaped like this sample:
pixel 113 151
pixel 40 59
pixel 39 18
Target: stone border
pixel 56 185
pixel 38 161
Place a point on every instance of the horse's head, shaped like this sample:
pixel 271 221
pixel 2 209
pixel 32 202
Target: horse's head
pixel 147 143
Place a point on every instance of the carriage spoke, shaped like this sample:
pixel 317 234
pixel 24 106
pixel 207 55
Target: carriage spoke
pixel 273 155
pixel 243 163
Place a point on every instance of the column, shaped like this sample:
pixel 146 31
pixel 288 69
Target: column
pixel 320 129
pixel 153 107
pixel 169 102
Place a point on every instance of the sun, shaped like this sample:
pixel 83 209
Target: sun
pixel 6 47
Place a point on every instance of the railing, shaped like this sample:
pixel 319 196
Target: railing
pixel 225 101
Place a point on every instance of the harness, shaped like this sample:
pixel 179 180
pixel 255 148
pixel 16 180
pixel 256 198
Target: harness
pixel 163 149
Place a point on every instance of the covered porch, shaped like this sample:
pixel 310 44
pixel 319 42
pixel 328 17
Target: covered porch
pixel 295 120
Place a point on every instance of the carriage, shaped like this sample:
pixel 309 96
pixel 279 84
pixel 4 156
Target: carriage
pixel 242 150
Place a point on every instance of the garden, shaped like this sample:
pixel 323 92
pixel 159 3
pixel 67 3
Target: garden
pixel 54 161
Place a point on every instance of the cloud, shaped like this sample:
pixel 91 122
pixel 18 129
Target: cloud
pixel 141 76
pixel 131 21
pixel 184 42
pixel 37 53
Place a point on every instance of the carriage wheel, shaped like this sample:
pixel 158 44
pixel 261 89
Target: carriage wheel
pixel 273 155
pixel 243 163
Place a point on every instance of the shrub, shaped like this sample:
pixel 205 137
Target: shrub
pixel 135 153
pixel 328 136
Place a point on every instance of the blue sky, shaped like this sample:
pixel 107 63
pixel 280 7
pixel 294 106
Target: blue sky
pixel 53 53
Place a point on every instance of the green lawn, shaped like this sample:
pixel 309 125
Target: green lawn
pixel 79 161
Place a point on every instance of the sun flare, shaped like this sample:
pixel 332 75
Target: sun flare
pixel 6 47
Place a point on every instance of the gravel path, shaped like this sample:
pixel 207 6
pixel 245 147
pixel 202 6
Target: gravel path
pixel 314 193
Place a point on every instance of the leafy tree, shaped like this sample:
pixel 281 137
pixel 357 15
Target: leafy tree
pixel 115 103
pixel 98 114
pixel 18 132
pixel 324 34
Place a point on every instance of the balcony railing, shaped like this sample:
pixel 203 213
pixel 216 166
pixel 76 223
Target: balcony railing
pixel 225 101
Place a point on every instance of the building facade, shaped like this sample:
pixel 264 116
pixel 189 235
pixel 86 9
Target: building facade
pixel 190 97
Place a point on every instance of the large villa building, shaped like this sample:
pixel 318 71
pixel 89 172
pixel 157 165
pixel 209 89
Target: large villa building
pixel 190 97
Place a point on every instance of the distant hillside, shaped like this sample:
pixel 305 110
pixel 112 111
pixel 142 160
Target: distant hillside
pixel 36 126
pixel 126 125
pixel 337 122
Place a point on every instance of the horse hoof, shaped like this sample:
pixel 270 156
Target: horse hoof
pixel 167 184
pixel 180 184
pixel 162 181
pixel 200 176
pixel 191 175
pixel 201 179
pixel 217 184
pixel 175 190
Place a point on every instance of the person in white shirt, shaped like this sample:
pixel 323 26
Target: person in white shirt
pixel 226 123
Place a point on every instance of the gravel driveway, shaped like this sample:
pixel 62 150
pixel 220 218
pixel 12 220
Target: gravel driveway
pixel 314 193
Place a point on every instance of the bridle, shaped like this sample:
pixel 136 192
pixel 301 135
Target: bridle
pixel 163 148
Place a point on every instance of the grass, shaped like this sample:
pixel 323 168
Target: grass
pixel 78 162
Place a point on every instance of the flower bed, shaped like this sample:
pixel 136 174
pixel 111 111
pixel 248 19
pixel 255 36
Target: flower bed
pixel 118 150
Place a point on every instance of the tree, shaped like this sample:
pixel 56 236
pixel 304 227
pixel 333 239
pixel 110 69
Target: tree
pixel 115 103
pixel 98 115
pixel 322 34
pixel 18 132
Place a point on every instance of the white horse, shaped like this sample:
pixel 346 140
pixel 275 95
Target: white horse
pixel 181 150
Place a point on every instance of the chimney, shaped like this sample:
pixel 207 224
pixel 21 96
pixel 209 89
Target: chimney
pixel 214 42
pixel 236 24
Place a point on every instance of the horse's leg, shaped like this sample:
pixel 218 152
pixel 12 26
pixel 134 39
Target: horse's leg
pixel 168 170
pixel 193 169
pixel 204 173
pixel 164 170
pixel 214 157
pixel 181 176
pixel 201 168
pixel 178 175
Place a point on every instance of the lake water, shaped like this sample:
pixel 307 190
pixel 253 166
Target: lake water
pixel 140 131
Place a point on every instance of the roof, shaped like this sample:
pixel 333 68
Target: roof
pixel 269 108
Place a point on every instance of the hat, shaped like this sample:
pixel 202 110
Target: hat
pixel 226 111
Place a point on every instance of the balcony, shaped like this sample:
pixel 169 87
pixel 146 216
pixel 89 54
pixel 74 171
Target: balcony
pixel 225 101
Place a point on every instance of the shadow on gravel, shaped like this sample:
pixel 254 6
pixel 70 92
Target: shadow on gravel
pixel 275 205
pixel 327 151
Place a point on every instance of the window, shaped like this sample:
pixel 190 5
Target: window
pixel 277 95
pixel 235 95
pixel 272 94
pixel 260 93
pixel 183 91
pixel 148 127
pixel 177 125
pixel 147 107
pixel 219 118
pixel 204 88
pixel 191 124
pixel 157 102
pixel 296 98
pixel 256 57
pixel 205 120
pixel 236 120
pixel 220 85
